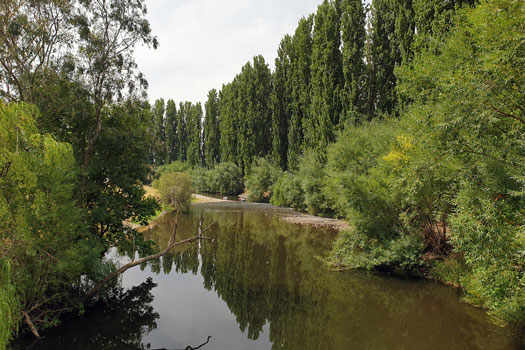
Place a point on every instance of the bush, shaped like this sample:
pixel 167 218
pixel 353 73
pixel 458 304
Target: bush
pixel 288 192
pixel 312 176
pixel 9 307
pixel 225 178
pixel 355 249
pixel 260 179
pixel 175 190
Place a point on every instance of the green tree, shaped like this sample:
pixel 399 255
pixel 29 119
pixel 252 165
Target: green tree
pixel 182 130
pixel 281 102
pixel 171 132
pixel 175 190
pixel 353 39
pixel 194 130
pixel 300 90
pixel 228 123
pixel 43 232
pixel 210 133
pixel 326 79
pixel 159 132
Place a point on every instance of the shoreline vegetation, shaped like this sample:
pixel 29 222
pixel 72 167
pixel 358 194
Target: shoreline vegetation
pixel 403 118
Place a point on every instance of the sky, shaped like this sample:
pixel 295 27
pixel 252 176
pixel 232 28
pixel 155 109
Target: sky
pixel 205 43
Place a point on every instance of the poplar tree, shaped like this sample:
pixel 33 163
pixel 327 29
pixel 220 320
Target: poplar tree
pixel 353 34
pixel 327 78
pixel 182 135
pixel 171 131
pixel 159 140
pixel 300 88
pixel 228 123
pixel 380 58
pixel 194 127
pixel 281 102
pixel 211 135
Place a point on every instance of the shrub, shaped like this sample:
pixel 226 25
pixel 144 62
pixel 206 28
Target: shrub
pixel 175 190
pixel 9 306
pixel 312 175
pixel 224 178
pixel 288 192
pixel 260 179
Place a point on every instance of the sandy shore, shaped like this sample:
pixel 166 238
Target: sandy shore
pixel 290 215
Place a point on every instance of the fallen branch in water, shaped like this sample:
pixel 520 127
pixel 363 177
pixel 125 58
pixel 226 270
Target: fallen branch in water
pixel 171 244
pixel 32 327
pixel 189 347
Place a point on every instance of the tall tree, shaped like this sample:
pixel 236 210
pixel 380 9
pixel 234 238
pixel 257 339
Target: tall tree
pixel 381 61
pixel 182 131
pixel 300 89
pixel 194 128
pixel 159 127
pixel 211 135
pixel 281 102
pixel 229 123
pixel 353 34
pixel 327 78
pixel 171 132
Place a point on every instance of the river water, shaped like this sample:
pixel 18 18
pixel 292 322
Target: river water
pixel 258 283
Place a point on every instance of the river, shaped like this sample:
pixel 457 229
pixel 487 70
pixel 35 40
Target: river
pixel 258 283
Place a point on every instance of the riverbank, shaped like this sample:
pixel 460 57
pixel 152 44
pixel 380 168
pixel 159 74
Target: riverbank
pixel 289 215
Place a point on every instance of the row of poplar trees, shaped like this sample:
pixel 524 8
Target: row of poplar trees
pixel 335 71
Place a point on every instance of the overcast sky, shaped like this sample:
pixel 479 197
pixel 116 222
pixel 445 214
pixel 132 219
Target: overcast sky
pixel 205 43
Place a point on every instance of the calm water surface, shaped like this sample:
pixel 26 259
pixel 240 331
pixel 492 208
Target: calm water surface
pixel 259 285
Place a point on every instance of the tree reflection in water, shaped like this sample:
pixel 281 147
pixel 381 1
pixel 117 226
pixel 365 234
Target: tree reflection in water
pixel 120 322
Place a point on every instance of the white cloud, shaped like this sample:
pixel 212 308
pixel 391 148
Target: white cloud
pixel 204 43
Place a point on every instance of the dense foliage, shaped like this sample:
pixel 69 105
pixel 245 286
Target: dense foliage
pixel 73 166
pixel 175 190
pixel 52 255
pixel 411 129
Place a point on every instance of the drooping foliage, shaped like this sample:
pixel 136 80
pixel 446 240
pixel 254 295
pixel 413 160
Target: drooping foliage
pixel 51 255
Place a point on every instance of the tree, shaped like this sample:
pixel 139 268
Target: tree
pixel 194 128
pixel 210 133
pixel 182 129
pixel 353 34
pixel 50 253
pixel 326 80
pixel 229 123
pixel 159 132
pixel 300 90
pixel 171 132
pixel 281 102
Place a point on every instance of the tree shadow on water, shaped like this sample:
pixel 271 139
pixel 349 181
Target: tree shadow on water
pixel 118 323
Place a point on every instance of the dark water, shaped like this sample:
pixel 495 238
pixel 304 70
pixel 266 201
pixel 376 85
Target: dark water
pixel 259 285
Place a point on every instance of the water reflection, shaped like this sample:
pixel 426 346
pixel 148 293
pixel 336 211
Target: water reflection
pixel 257 284
pixel 120 323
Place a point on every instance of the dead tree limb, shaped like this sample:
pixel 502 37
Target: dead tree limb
pixel 28 321
pixel 171 244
